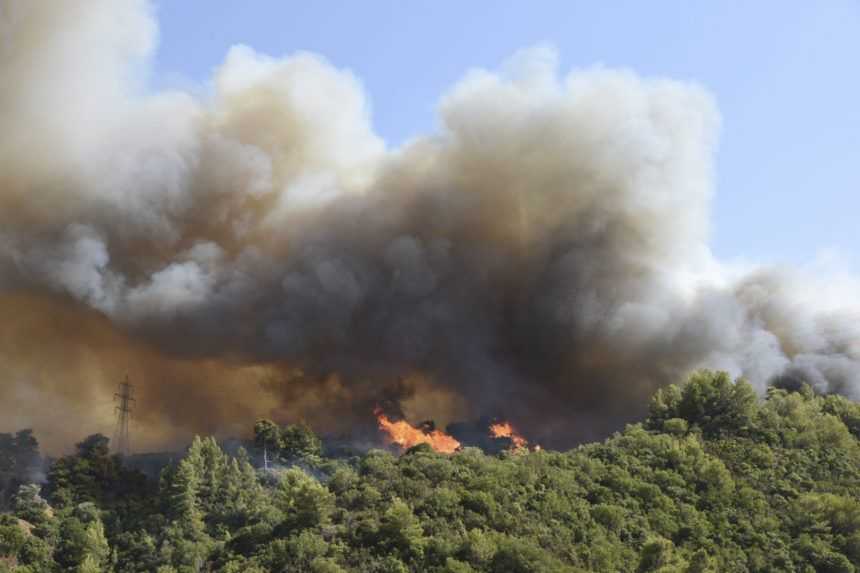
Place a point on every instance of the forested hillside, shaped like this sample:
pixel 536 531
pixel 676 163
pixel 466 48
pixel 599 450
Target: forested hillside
pixel 714 480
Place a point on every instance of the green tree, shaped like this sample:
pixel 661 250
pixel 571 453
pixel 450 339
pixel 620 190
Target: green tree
pixel 30 506
pixel 90 475
pixel 19 462
pixel 267 436
pixel 299 441
pixel 82 541
pixel 710 401
pixel 180 491
pixel 305 502
pixel 401 531
pixel 12 536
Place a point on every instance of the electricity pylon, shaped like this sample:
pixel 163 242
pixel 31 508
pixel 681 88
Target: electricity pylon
pixel 125 397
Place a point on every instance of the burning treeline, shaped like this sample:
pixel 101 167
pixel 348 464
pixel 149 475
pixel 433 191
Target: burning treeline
pixel 542 256
pixel 497 435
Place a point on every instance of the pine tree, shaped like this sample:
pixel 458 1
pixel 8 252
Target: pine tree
pixel 182 497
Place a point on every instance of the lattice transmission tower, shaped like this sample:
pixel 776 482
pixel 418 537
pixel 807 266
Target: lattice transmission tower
pixel 125 399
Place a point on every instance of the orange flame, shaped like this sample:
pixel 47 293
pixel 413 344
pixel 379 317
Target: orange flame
pixel 405 435
pixel 505 430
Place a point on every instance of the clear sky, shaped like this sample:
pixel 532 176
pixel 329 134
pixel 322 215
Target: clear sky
pixel 786 76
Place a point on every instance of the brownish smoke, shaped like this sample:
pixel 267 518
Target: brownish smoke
pixel 543 256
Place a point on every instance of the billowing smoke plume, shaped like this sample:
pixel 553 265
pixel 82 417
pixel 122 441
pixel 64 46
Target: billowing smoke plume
pixel 258 251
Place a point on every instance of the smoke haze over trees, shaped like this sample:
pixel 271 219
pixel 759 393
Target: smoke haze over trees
pixel 260 251
pixel 714 480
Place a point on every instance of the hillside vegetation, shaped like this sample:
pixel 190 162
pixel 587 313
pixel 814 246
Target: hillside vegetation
pixel 714 480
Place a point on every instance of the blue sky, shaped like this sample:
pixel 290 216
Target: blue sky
pixel 786 76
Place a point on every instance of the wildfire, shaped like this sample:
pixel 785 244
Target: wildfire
pixel 505 430
pixel 405 435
